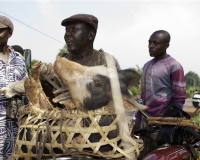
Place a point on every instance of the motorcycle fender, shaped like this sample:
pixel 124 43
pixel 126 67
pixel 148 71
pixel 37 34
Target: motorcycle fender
pixel 175 152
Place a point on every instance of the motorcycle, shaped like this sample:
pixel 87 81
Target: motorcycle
pixel 178 133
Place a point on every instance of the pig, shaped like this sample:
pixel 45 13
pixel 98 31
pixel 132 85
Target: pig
pixel 90 86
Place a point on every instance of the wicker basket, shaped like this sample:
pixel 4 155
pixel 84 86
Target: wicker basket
pixel 62 132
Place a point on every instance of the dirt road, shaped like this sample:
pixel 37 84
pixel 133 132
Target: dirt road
pixel 188 107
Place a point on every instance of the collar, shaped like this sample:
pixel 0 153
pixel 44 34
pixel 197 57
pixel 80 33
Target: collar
pixel 12 54
pixel 161 60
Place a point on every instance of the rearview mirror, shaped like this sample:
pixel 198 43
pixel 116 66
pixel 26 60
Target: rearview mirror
pixel 196 100
pixel 27 57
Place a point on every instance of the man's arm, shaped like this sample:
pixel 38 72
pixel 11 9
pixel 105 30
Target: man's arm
pixel 178 86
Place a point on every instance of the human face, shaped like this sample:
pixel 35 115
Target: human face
pixel 4 35
pixel 157 46
pixel 3 29
pixel 76 37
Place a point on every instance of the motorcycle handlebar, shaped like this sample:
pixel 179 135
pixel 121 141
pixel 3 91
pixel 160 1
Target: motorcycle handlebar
pixel 148 128
pixel 191 131
pixel 138 131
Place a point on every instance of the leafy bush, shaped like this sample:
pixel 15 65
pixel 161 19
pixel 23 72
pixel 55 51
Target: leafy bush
pixel 134 90
pixel 196 118
pixel 189 94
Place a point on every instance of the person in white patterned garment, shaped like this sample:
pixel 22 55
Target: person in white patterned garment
pixel 12 68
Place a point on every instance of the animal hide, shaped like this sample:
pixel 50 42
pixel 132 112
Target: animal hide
pixel 90 86
pixel 34 91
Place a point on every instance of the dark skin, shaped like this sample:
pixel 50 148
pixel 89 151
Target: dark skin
pixel 158 45
pixel 5 33
pixel 79 42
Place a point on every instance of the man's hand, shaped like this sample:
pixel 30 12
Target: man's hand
pixel 136 127
pixel 64 94
pixel 13 89
pixel 46 70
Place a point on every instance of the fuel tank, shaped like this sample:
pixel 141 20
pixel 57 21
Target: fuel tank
pixel 175 152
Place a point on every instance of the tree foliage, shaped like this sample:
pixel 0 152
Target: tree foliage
pixel 192 83
pixel 33 62
pixel 136 89
pixel 63 50
pixel 192 79
pixel 138 70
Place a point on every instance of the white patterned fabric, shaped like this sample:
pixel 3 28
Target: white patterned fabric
pixel 13 71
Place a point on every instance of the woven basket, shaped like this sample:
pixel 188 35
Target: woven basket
pixel 42 134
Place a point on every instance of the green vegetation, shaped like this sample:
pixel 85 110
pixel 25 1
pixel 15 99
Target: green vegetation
pixel 136 89
pixel 196 118
pixel 33 62
pixel 63 50
pixel 192 83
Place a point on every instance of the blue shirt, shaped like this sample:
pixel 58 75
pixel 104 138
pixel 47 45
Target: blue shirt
pixel 14 70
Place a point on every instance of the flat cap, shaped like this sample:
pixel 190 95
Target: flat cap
pixel 87 18
pixel 6 22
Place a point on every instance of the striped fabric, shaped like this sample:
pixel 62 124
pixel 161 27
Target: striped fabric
pixel 13 71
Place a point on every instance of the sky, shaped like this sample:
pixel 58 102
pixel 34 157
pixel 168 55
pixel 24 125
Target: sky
pixel 124 27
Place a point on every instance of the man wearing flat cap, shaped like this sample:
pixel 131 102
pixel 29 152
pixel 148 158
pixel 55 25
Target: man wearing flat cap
pixel 12 68
pixel 80 32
